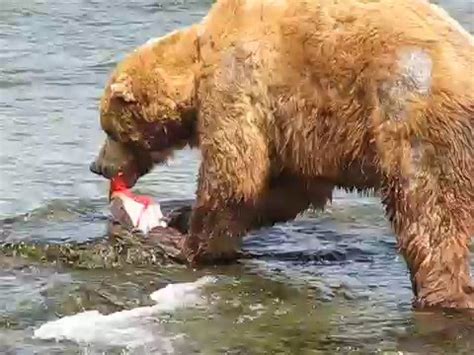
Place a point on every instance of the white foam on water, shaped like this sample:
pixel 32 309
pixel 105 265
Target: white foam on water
pixel 129 328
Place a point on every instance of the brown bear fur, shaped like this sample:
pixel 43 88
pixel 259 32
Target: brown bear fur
pixel 287 100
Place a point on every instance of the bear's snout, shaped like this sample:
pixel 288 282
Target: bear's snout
pixel 113 158
pixel 105 171
pixel 109 172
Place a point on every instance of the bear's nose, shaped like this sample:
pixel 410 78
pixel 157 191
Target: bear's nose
pixel 93 167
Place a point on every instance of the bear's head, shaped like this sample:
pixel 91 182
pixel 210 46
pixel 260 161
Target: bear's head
pixel 148 109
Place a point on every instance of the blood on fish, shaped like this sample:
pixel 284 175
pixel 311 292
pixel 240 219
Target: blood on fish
pixel 135 211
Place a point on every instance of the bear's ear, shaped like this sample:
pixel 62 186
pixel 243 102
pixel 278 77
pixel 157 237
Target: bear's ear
pixel 122 88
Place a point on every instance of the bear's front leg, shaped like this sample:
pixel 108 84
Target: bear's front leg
pixel 216 233
pixel 226 206
pixel 234 175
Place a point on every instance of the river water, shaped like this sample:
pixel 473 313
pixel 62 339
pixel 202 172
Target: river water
pixel 336 284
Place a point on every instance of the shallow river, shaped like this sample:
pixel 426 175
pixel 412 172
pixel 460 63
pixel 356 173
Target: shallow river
pixel 336 284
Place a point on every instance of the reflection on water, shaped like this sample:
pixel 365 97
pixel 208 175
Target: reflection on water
pixel 331 282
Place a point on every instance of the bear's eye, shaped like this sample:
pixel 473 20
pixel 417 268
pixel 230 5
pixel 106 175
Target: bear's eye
pixel 111 135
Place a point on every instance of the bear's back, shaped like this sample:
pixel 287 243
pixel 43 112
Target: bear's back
pixel 339 40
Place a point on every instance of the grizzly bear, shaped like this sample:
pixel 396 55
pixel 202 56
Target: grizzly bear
pixel 287 100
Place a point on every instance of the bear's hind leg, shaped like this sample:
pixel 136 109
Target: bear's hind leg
pixel 432 227
pixel 428 193
pixel 424 138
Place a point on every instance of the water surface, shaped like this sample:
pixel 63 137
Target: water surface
pixel 334 285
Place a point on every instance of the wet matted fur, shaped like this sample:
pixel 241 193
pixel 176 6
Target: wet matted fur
pixel 287 100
